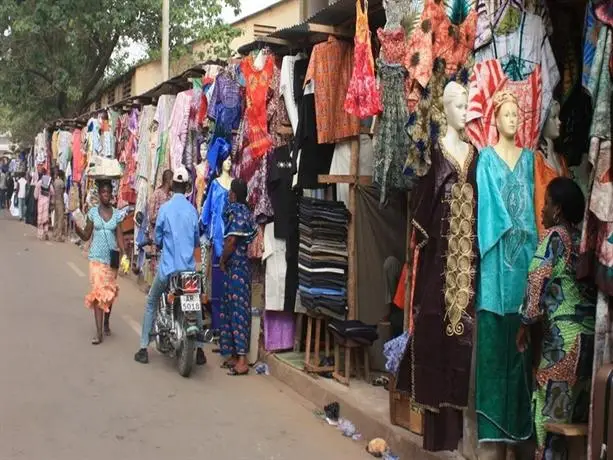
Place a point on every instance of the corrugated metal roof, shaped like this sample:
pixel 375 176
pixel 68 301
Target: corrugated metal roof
pixel 340 14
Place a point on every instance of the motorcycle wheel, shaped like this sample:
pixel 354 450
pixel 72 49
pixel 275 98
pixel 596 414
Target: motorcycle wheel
pixel 185 356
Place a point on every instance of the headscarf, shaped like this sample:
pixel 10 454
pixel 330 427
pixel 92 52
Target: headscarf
pixel 501 98
pixel 217 154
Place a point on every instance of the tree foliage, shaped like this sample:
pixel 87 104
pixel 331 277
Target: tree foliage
pixel 54 54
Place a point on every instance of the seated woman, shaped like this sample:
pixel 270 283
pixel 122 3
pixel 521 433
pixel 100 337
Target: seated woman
pixel 565 310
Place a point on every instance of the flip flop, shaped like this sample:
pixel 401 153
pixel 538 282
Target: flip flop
pixel 226 365
pixel 234 373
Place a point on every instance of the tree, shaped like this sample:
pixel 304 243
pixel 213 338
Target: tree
pixel 54 54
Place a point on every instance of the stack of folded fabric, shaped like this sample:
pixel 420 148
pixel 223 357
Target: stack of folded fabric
pixel 323 256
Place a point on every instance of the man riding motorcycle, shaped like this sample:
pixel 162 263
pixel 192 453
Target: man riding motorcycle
pixel 177 233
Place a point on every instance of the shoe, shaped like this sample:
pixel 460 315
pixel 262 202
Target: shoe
pixel 142 356
pixel 200 357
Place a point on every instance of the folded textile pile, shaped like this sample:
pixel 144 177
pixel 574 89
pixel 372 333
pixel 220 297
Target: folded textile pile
pixel 323 256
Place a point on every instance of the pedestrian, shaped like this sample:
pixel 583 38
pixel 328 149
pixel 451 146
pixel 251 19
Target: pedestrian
pixel 564 311
pixel 59 186
pixel 177 233
pixel 3 176
pixel 105 252
pixel 10 188
pixel 22 190
pixel 44 194
pixel 236 299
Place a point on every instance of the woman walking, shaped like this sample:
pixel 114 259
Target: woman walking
pixel 105 251
pixel 59 186
pixel 236 301
pixel 43 193
pixel 564 309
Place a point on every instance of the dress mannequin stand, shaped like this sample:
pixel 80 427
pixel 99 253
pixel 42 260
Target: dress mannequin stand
pixel 443 213
pixel 507 238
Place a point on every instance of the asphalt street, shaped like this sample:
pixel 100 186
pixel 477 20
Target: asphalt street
pixel 62 398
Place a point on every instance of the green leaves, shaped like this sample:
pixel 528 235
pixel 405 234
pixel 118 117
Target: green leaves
pixel 54 54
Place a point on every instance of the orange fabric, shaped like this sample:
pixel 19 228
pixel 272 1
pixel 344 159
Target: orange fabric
pixel 401 288
pixel 330 68
pixel 400 297
pixel 543 175
pixel 258 83
pixel 105 290
pixel 438 38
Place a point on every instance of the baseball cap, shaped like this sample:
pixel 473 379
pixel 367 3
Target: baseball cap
pixel 181 175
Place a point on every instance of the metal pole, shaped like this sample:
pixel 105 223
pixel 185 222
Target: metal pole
pixel 165 39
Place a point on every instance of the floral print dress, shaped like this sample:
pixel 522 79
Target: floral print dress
pixel 235 313
pixel 563 377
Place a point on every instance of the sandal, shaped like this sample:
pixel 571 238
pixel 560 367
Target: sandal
pixel 97 340
pixel 227 365
pixel 234 373
pixel 107 331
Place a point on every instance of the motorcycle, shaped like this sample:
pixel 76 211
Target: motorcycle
pixel 175 329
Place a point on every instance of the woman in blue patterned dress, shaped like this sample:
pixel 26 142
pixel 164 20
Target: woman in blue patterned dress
pixel 236 301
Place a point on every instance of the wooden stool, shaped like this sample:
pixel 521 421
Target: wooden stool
pixel 314 366
pixel 348 345
pixel 576 437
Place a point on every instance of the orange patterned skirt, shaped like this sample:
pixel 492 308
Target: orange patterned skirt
pixel 104 290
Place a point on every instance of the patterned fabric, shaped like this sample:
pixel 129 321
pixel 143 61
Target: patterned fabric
pixel 427 121
pixel 496 16
pixel 567 309
pixel 236 301
pixel 393 351
pixel 506 228
pixel 544 173
pixel 363 99
pixel 520 52
pixel 393 46
pixel 226 104
pixel 258 82
pixel 390 139
pixel 330 69
pixel 104 238
pixel 489 78
pixel 450 40
pixel 591 30
pixel 144 132
pixel 104 288
pixel 177 133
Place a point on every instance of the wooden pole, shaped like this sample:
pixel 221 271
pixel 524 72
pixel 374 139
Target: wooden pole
pixel 409 262
pixel 354 171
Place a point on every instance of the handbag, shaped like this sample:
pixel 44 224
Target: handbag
pixel 113 253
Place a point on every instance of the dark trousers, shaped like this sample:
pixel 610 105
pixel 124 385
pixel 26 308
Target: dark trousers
pixel 2 198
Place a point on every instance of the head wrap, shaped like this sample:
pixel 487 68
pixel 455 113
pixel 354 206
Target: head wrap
pixel 501 98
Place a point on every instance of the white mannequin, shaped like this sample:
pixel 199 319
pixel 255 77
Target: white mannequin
pixel 507 123
pixel 260 60
pixel 225 178
pixel 455 101
pixel 551 131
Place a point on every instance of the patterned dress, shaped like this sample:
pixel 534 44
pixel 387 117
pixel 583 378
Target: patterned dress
pixel 567 308
pixel 236 301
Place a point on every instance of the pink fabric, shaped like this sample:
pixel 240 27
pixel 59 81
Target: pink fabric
pixel 77 156
pixel 177 132
pixel 279 330
pixel 488 79
pixel 43 209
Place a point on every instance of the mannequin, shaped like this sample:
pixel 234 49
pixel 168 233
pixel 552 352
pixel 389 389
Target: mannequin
pixel 443 210
pixel 548 164
pixel 507 239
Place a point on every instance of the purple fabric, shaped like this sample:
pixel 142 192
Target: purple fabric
pixel 226 104
pixel 279 330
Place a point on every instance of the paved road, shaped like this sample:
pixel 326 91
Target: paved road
pixel 63 399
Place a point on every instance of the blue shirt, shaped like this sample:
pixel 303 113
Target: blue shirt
pixel 103 236
pixel 176 230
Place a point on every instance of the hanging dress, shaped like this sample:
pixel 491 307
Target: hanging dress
pixel 363 99
pixel 390 139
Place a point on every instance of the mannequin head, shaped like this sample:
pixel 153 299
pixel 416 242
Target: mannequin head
pixel 455 101
pixel 506 111
pixel 551 130
pixel 226 166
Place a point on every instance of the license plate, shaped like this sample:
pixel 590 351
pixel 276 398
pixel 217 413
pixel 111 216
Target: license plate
pixel 190 302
